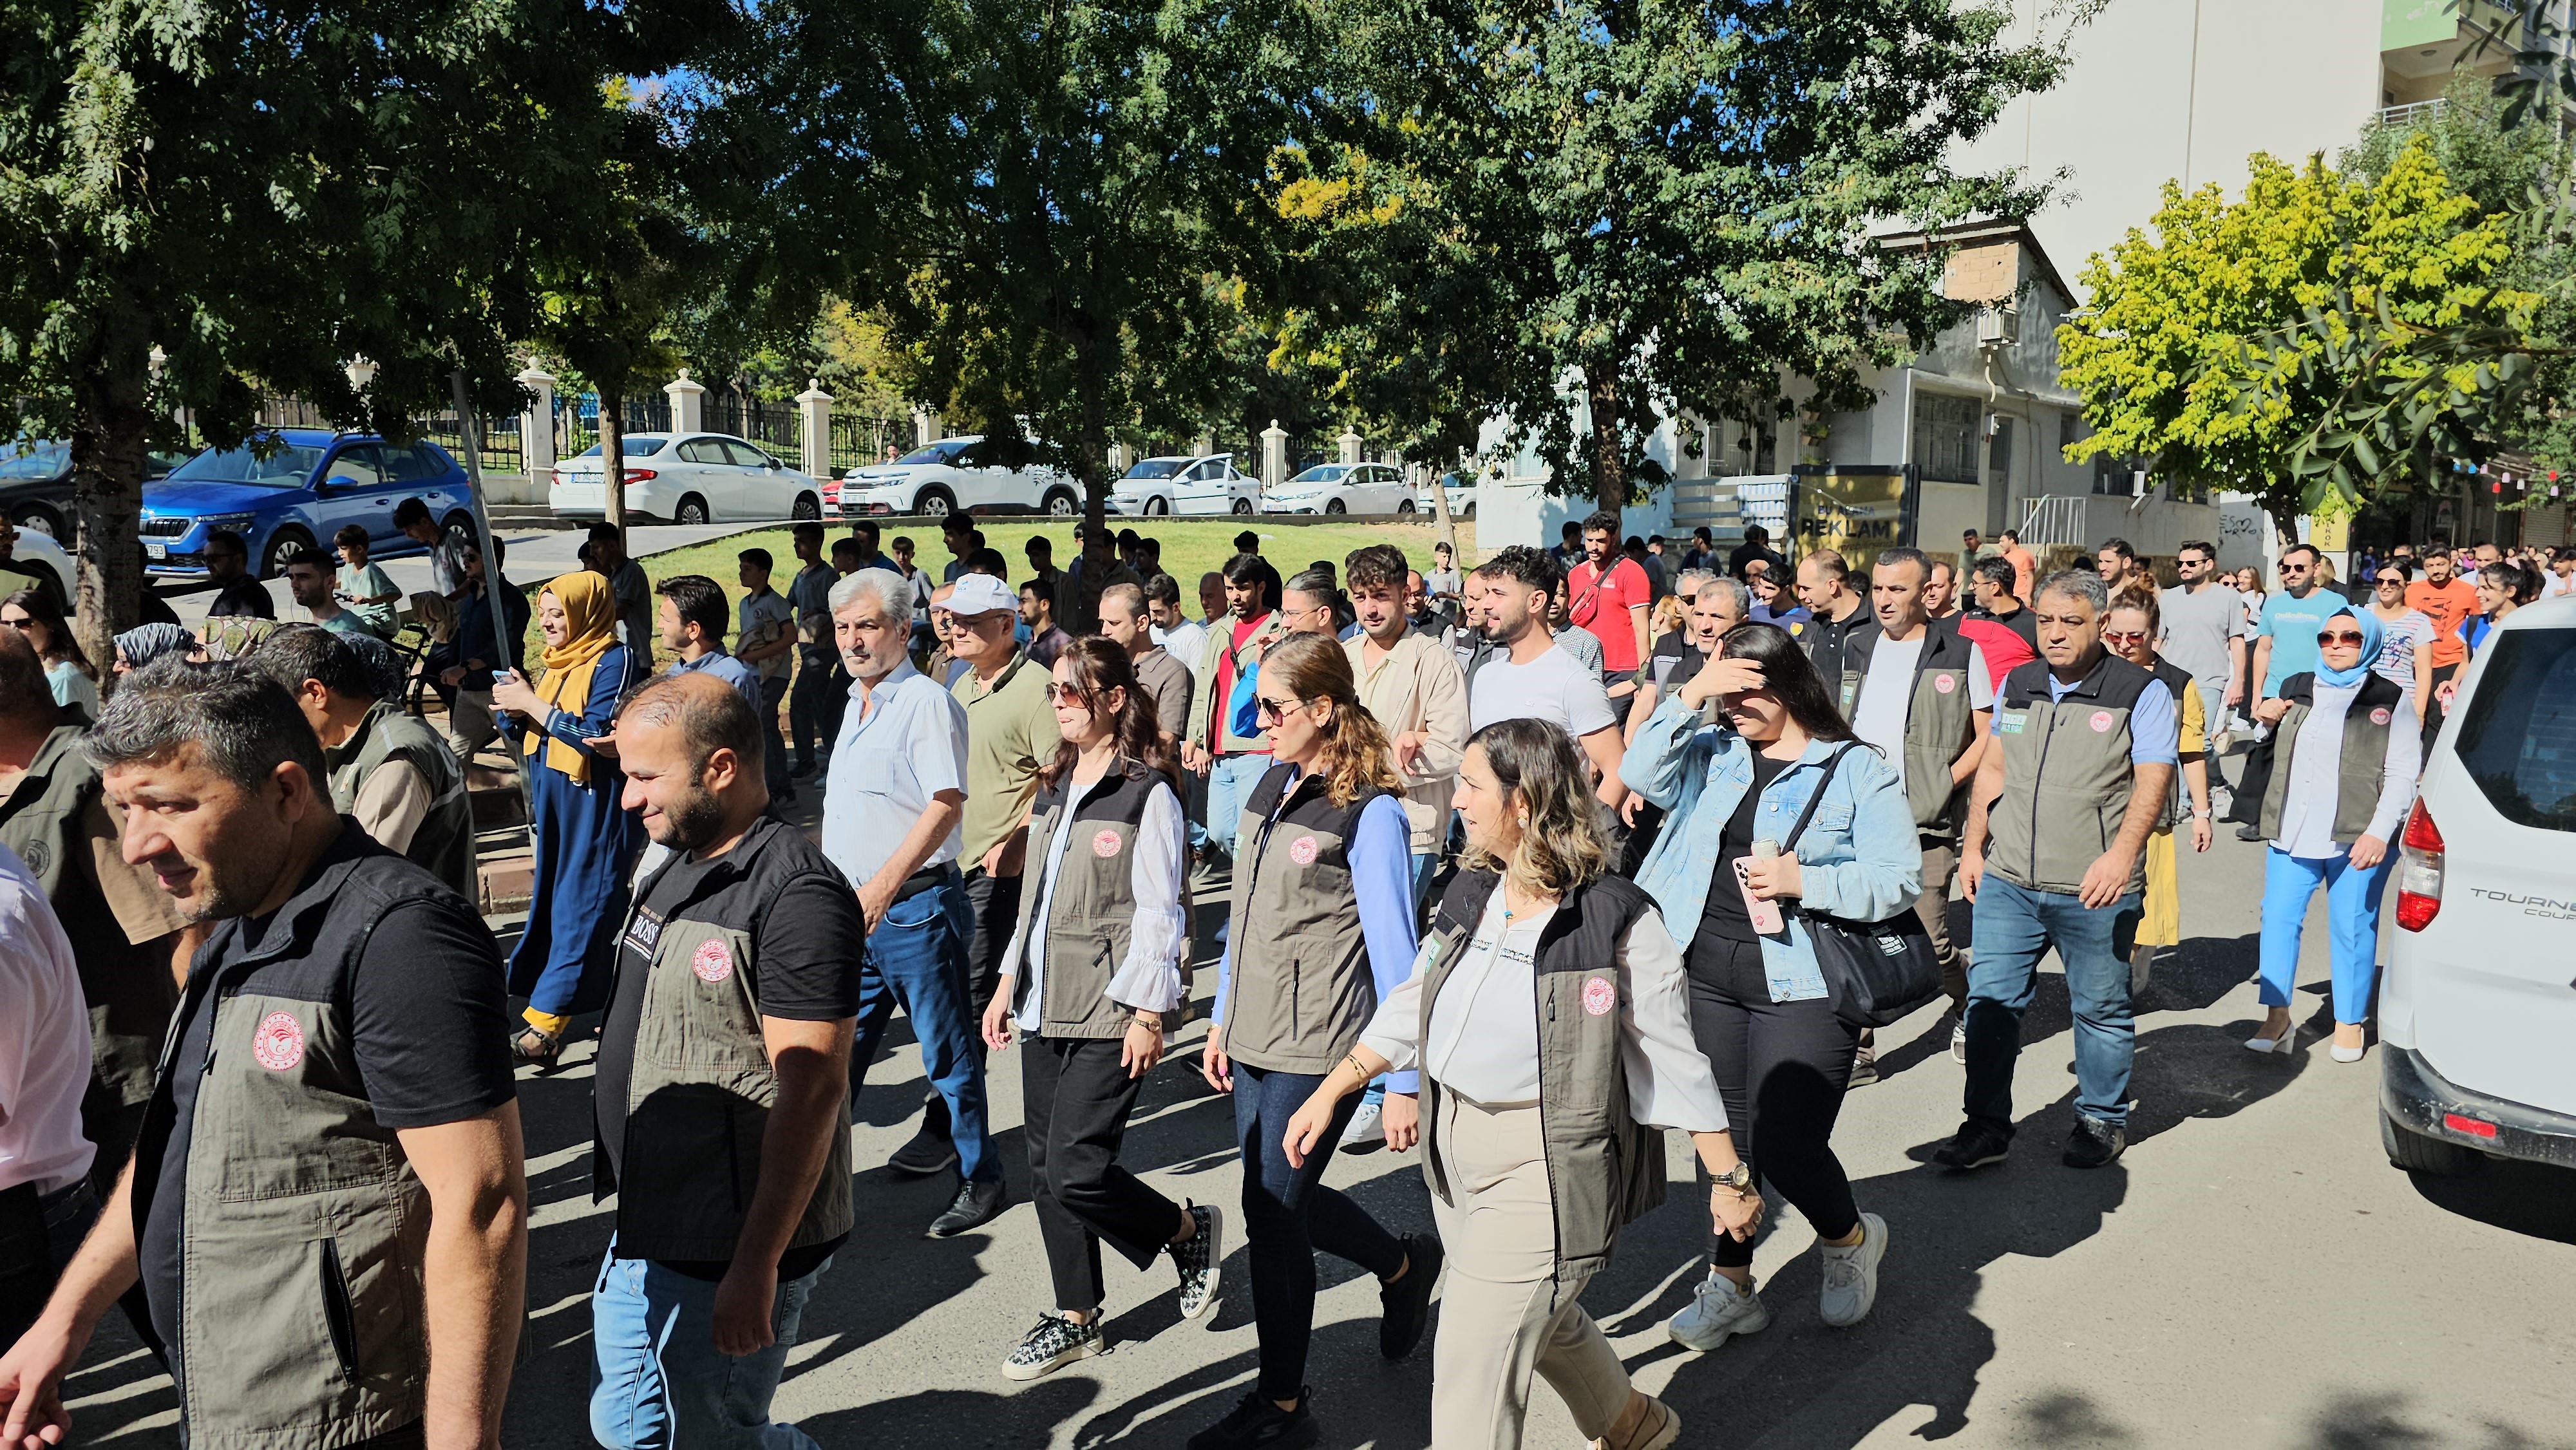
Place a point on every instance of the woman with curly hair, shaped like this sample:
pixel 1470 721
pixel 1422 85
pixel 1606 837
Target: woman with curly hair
pixel 1323 929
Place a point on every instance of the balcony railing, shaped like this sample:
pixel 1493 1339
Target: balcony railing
pixel 2413 114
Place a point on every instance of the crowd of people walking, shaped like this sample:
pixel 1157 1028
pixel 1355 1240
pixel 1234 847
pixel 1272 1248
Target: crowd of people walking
pixel 1520 866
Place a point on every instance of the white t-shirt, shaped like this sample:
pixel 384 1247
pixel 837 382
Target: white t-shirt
pixel 2553 584
pixel 1887 693
pixel 1555 687
pixel 44 1040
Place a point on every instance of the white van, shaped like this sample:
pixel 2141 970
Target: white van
pixel 2477 1011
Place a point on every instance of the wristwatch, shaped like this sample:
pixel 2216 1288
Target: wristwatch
pixel 1738 1178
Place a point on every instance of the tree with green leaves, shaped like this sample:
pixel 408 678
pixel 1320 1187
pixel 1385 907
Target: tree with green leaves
pixel 2161 354
pixel 1045 197
pixel 1640 208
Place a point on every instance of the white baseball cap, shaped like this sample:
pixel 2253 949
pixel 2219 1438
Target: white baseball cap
pixel 980 594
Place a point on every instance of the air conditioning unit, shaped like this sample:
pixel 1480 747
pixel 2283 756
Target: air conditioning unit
pixel 1998 325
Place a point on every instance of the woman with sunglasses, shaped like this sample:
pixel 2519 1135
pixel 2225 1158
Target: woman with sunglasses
pixel 1759 1006
pixel 2405 637
pixel 1552 1029
pixel 32 612
pixel 2130 631
pixel 2342 778
pixel 1323 930
pixel 1093 965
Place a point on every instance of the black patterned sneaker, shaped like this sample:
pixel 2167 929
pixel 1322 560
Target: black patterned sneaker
pixel 1199 1258
pixel 2093 1143
pixel 1053 1344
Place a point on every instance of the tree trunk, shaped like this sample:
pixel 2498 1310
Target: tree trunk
pixel 612 459
pixel 1448 533
pixel 111 424
pixel 1609 457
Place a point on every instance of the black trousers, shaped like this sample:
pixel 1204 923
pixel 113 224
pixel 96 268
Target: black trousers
pixel 1781 1068
pixel 995 902
pixel 1075 1099
pixel 2253 780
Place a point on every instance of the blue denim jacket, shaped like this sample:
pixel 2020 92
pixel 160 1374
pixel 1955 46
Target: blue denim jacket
pixel 1860 859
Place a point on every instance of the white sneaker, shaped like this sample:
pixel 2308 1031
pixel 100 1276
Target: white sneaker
pixel 1367 1131
pixel 1851 1275
pixel 1959 1042
pixel 1717 1312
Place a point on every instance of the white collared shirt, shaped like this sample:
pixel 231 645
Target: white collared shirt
pixel 902 743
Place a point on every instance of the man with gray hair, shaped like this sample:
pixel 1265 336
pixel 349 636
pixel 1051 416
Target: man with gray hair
pixel 351 1231
pixel 892 805
pixel 2076 776
pixel 1716 605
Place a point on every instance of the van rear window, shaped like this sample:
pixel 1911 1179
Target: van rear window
pixel 2519 738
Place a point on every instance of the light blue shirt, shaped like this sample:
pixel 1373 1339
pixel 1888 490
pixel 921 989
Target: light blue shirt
pixel 1381 857
pixel 2291 625
pixel 2155 729
pixel 744 679
pixel 901 744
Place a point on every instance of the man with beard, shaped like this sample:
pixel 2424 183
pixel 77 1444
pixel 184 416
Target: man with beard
pixel 720 1081
pixel 310 578
pixel 327 1208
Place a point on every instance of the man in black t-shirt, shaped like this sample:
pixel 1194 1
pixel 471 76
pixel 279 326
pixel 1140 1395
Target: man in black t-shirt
pixel 727 1049
pixel 236 592
pixel 333 1135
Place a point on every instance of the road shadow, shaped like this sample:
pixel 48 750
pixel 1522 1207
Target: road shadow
pixel 2531 1199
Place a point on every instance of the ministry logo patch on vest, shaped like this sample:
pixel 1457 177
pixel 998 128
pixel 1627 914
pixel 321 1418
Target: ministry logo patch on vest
pixel 1946 684
pixel 711 963
pixel 278 1045
pixel 2101 722
pixel 1599 996
pixel 1104 844
pixel 1302 851
pixel 2379 716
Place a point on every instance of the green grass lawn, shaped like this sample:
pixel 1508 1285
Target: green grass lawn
pixel 1191 547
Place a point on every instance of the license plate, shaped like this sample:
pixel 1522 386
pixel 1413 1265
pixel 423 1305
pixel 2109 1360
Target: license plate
pixel 156 549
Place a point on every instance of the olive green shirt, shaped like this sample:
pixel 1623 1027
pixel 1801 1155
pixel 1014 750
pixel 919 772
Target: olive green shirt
pixel 1010 732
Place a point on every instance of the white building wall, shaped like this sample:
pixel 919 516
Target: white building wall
pixel 2181 90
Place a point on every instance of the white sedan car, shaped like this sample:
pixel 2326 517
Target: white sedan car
pixel 1206 485
pixel 1343 488
pixel 689 478
pixel 957 473
pixel 1462 497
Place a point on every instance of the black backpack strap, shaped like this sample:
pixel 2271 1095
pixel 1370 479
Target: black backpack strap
pixel 1790 845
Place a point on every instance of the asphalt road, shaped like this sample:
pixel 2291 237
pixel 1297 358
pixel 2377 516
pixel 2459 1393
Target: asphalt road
pixel 2251 1274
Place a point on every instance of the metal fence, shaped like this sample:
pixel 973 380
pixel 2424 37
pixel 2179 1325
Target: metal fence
pixel 498 438
pixel 774 426
pixel 577 421
pixel 859 441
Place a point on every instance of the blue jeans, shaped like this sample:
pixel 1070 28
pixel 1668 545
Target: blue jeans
pixel 1231 779
pixel 1288 1213
pixel 805 704
pixel 916 958
pixel 656 1380
pixel 2015 928
pixel 2352 924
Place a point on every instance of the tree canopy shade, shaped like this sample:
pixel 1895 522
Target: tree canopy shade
pixel 2241 334
pixel 1654 204
pixel 1046 197
pixel 265 191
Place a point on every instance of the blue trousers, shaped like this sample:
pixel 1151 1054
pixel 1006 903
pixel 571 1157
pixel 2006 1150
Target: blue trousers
pixel 916 959
pixel 2015 928
pixel 1288 1213
pixel 656 1381
pixel 2352 924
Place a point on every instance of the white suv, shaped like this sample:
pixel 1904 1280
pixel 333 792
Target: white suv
pixel 1178 485
pixel 2477 1010
pixel 955 474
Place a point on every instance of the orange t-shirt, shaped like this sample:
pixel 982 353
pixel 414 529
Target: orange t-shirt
pixel 2024 566
pixel 2446 605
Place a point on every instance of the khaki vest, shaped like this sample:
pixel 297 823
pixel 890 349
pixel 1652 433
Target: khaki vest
pixel 128 989
pixel 444 843
pixel 699 1094
pixel 1940 724
pixel 1300 989
pixel 1604 1169
pixel 302 1317
pixel 2067 775
pixel 1091 909
pixel 2358 770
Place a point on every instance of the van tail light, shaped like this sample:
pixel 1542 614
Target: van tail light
pixel 2419 871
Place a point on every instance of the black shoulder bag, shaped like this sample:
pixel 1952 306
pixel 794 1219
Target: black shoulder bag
pixel 1875 971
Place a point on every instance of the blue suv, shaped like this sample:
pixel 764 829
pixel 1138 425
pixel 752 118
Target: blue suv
pixel 310 485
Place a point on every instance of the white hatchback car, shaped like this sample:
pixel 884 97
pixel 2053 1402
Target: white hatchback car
pixel 1343 488
pixel 2477 1009
pixel 957 473
pixel 688 478
pixel 1207 485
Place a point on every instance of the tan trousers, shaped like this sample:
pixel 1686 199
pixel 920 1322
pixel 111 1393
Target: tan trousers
pixel 470 725
pixel 1940 863
pixel 1502 1313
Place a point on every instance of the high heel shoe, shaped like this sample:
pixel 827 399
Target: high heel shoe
pixel 2341 1053
pixel 2284 1044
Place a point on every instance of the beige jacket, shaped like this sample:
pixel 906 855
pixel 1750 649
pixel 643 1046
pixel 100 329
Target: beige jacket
pixel 1418 686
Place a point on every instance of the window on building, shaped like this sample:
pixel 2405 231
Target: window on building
pixel 1945 438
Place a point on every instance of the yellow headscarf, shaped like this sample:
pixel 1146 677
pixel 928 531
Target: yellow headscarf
pixel 591 612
